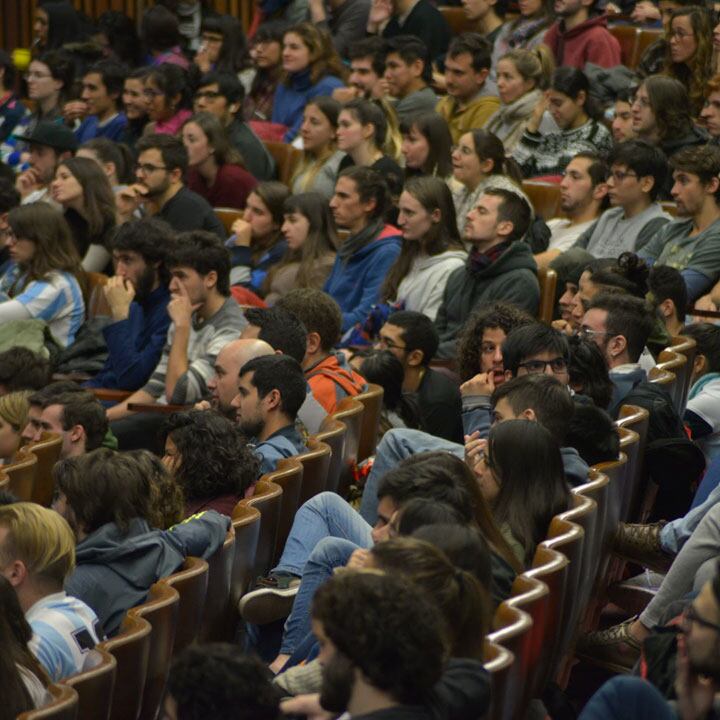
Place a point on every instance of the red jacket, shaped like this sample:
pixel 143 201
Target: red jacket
pixel 588 42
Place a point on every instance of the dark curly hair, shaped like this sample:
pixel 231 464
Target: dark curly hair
pixel 167 499
pixel 214 456
pixel 629 273
pixel 500 315
pixel 217 681
pixel 588 371
pixel 388 628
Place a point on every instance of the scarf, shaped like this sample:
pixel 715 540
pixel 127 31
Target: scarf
pixel 479 261
pixel 525 30
pixel 354 243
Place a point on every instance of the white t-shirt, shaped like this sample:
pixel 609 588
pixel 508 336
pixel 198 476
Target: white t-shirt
pixel 563 234
pixel 706 405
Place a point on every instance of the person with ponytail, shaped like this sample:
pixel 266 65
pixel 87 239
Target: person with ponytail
pixel 522 76
pixel 579 120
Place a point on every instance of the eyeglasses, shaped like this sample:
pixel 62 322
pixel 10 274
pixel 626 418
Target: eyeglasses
pixel 386 342
pixel 680 34
pixel 536 367
pixel 148 168
pixel 619 175
pixel 36 76
pixel 690 615
pixel 462 149
pixel 208 95
pixel 585 333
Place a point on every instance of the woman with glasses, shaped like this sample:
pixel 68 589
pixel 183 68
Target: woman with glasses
pixel 167 94
pixel 223 46
pixel 266 55
pixel 44 277
pixel 479 162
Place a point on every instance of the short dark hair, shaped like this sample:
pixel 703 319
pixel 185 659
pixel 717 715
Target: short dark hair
pixel 593 434
pixel 104 487
pixel 707 337
pixel 228 85
pixel 214 455
pixel 588 371
pixel 217 680
pixel 476 45
pixel 419 332
pixel 702 161
pixel 527 340
pixel 9 196
pixel 627 316
pixel 281 373
pixel 117 153
pixel 83 408
pixel 372 47
pixel 387 629
pixel 514 208
pixel 546 396
pixel 317 311
pixel 598 169
pixel 370 185
pixel 643 159
pixel 151 238
pixel 22 369
pixel 666 283
pixel 171 148
pixel 203 252
pixel 46 396
pixel 501 315
pixel 113 76
pixel 410 48
pixel 281 329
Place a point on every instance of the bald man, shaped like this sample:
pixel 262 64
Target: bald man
pixel 224 384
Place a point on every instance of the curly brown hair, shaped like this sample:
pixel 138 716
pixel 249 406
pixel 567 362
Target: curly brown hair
pixel 324 59
pixel 500 315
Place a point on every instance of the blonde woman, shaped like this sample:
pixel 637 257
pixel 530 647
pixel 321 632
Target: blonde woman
pixel 13 418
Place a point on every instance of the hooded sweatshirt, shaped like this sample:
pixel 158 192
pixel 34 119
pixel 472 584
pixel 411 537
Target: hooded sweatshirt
pixel 115 570
pixel 355 282
pixel 512 278
pixel 332 379
pixel 422 288
pixel 588 42
pixel 509 121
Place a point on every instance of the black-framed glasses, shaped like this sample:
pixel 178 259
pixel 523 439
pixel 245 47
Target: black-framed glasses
pixel 620 175
pixel 149 168
pixel 536 367
pixel 389 343
pixel 585 333
pixel 691 615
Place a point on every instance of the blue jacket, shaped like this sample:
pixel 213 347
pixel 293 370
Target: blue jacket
pixel 90 129
pixel 284 443
pixel 290 100
pixel 355 284
pixel 135 344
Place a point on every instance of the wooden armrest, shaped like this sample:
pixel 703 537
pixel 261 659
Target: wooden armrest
pixel 157 408
pixel 704 313
pixel 110 395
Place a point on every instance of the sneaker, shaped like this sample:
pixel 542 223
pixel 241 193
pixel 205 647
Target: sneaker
pixel 641 544
pixel 272 600
pixel 614 648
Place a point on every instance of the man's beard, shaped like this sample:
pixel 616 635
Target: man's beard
pixel 709 665
pixel 227 411
pixel 251 428
pixel 144 285
pixel 338 679
pixel 157 192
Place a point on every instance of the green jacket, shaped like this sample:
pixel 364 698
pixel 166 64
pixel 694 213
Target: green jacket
pixel 512 278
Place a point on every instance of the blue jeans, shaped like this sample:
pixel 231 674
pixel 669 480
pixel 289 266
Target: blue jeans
pixel 628 698
pixel 330 553
pixel 396 445
pixel 325 515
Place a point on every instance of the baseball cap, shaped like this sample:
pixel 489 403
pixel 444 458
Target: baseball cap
pixel 54 135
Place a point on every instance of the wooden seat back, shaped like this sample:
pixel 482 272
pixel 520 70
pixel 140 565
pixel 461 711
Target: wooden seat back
pixel 21 473
pixel 286 157
pixel 316 465
pixel 333 434
pixel 246 522
pixel 289 476
pixel 62 706
pixel 217 618
pixel 228 216
pixel 372 400
pixel 47 451
pixel 547 279
pixel 95 685
pixel 191 582
pixel 677 364
pixel 498 662
pixel 350 412
pixel 267 499
pixel 544 196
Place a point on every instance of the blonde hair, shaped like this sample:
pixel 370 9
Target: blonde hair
pixel 41 538
pixel 14 408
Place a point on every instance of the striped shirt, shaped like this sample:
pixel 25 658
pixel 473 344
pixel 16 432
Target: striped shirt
pixel 58 301
pixel 64 630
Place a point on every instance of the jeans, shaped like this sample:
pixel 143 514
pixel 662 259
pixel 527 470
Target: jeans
pixel 628 698
pixel 677 532
pixel 330 553
pixel 325 515
pixel 396 445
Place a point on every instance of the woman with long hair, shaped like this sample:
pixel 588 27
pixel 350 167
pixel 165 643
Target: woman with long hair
pixel 312 67
pixel 160 35
pixel 22 679
pixel 215 169
pixel 257 243
pixel 309 231
pixel 14 408
pixel 525 490
pixel 427 146
pixel 522 75
pixel 580 122
pixel 266 55
pixel 689 52
pixel 318 169
pixel 117 36
pixel 210 460
pixel 44 277
pixel 365 135
pixel 115 159
pixel 56 24
pixel 167 92
pixel 431 248
pixel 84 191
pixel 479 162
pixel 223 46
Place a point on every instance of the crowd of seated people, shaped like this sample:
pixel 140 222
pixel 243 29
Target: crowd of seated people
pixel 214 236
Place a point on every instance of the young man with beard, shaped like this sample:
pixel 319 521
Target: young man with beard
pixel 270 392
pixel 160 189
pixel 138 296
pixel 367 68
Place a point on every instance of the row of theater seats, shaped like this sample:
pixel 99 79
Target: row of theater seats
pixel 126 675
pixel 29 475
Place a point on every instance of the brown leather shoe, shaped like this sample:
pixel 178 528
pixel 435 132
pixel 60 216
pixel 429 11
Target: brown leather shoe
pixel 613 648
pixel 641 544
